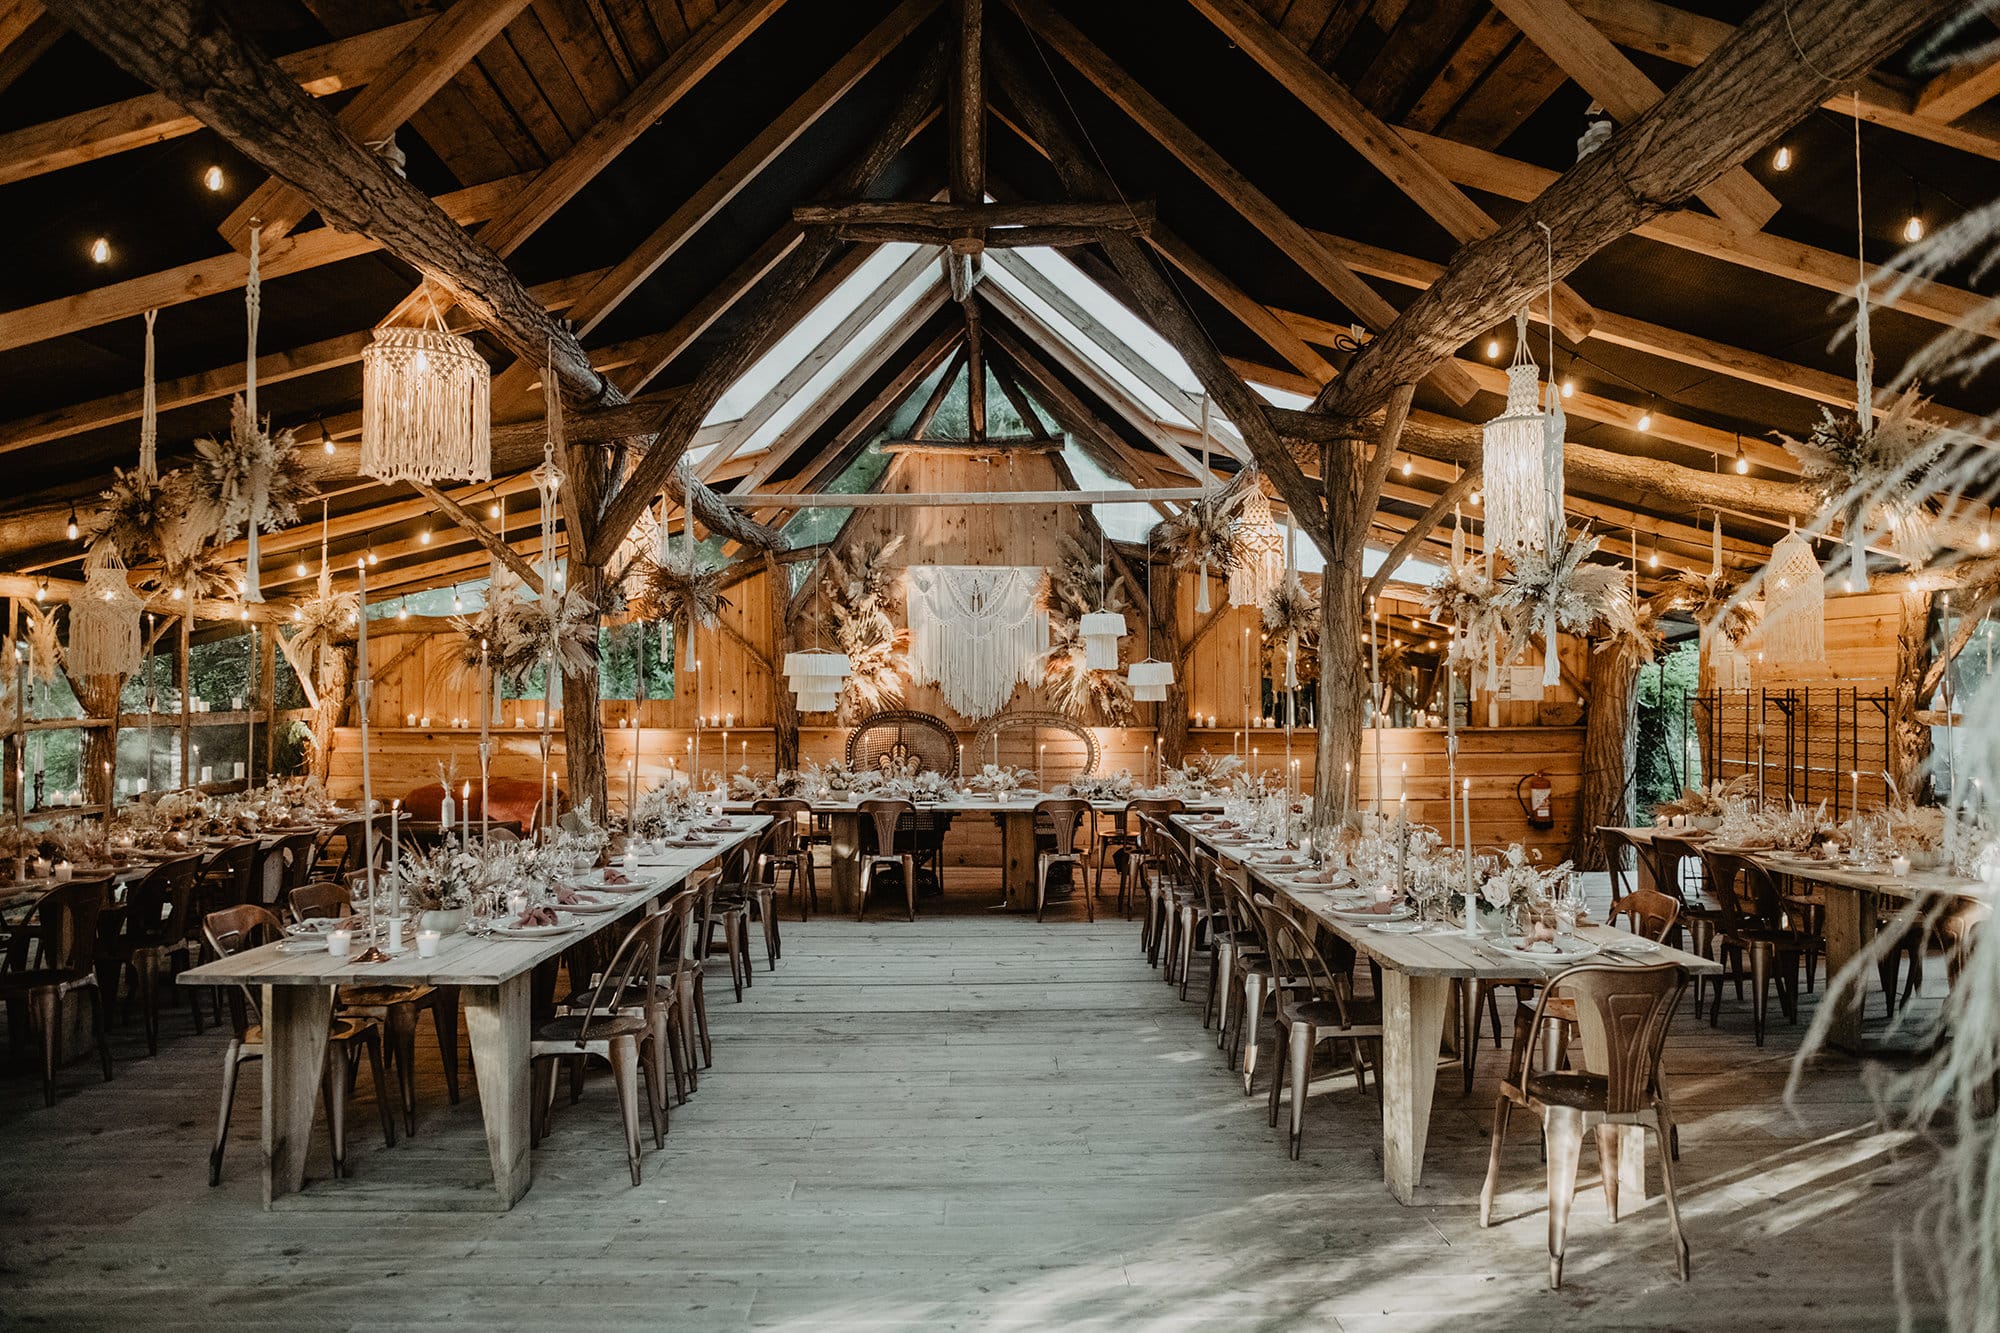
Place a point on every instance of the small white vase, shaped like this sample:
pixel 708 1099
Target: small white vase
pixel 445 922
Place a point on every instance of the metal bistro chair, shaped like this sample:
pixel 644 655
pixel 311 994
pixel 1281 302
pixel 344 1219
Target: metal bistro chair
pixel 62 933
pixel 1124 844
pixel 144 939
pixel 246 926
pixel 789 850
pixel 1751 930
pixel 612 1025
pixel 1171 895
pixel 1615 843
pixel 1622 1016
pixel 1065 816
pixel 881 818
pixel 658 994
pixel 744 882
pixel 1312 1002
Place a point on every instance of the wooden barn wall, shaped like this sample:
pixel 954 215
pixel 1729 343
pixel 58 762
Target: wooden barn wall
pixel 734 685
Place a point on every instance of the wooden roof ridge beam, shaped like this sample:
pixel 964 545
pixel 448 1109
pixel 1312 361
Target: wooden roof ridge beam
pixel 1603 71
pixel 749 161
pixel 615 131
pixel 1231 185
pixel 1133 216
pixel 150 118
pixel 1685 38
pixel 788 280
pixel 422 66
pixel 1795 261
pixel 1346 115
pixel 1759 83
pixel 225 272
pixel 1083 178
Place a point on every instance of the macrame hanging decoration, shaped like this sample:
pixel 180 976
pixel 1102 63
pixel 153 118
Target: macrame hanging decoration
pixel 1201 603
pixel 548 491
pixel 1864 372
pixel 149 414
pixel 104 629
pixel 1263 565
pixel 1515 456
pixel 976 630
pixel 1101 629
pixel 426 407
pixel 1149 678
pixel 1794 627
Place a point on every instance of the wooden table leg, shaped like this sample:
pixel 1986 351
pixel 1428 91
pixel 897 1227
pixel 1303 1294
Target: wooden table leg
pixel 1850 926
pixel 1412 1024
pixel 1017 857
pixel 295 1029
pixel 497 1020
pixel 844 830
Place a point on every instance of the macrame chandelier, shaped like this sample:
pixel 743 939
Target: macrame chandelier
pixel 1794 626
pixel 1521 490
pixel 817 674
pixel 1149 678
pixel 104 630
pixel 1263 565
pixel 426 412
pixel 1101 629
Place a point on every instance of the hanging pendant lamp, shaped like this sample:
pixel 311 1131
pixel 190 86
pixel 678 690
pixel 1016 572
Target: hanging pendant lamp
pixel 426 407
pixel 104 630
pixel 1149 678
pixel 1263 545
pixel 816 675
pixel 1515 455
pixel 1103 628
pixel 1794 626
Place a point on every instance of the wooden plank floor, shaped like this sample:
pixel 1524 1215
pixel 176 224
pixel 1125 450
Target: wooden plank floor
pixel 969 1121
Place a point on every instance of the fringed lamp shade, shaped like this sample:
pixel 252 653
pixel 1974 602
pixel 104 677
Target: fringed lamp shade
pixel 1263 564
pixel 1149 680
pixel 426 411
pixel 816 676
pixel 1794 626
pixel 1101 631
pixel 1516 480
pixel 104 632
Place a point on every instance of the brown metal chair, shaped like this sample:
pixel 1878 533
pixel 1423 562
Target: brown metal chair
pixel 882 818
pixel 744 882
pixel 660 994
pixel 1312 1002
pixel 1124 843
pixel 1615 843
pixel 1170 893
pixel 1622 1016
pixel 789 850
pixel 1751 929
pixel 231 931
pixel 298 853
pixel 617 1022
pixel 1673 853
pixel 395 1007
pixel 228 880
pixel 724 917
pixel 1649 914
pixel 61 936
pixel 145 937
pixel 1065 816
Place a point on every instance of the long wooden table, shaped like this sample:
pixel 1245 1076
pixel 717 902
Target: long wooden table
pixel 1015 815
pixel 494 977
pixel 1419 973
pixel 1853 901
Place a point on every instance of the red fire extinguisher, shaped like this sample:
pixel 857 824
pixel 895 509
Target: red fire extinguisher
pixel 1537 804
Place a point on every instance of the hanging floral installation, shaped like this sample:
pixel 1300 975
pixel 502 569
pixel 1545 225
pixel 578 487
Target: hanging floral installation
pixel 1559 589
pixel 518 630
pixel 1879 478
pixel 1465 597
pixel 45 656
pixel 1291 619
pixel 1715 602
pixel 678 592
pixel 1208 533
pixel 1076 689
pixel 858 594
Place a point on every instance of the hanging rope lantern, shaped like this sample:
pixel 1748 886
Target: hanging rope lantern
pixel 1101 631
pixel 426 410
pixel 1149 678
pixel 104 630
pixel 1263 567
pixel 1794 605
pixel 1515 456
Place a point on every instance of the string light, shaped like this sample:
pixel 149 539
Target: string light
pixel 1742 459
pixel 325 438
pixel 214 179
pixel 371 555
pixel 1569 388
pixel 1913 229
pixel 100 251
pixel 1408 467
pixel 42 591
pixel 1492 349
pixel 70 528
pixel 1646 419
pixel 301 569
pixel 403 609
pixel 1653 554
pixel 1782 159
pixel 457 602
pixel 494 510
pixel 424 537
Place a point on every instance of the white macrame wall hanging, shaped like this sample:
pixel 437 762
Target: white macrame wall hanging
pixel 1794 625
pixel 1263 564
pixel 977 631
pixel 104 629
pixel 1515 448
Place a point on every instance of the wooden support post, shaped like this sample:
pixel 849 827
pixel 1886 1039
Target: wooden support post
pixel 1612 682
pixel 784 707
pixel 187 702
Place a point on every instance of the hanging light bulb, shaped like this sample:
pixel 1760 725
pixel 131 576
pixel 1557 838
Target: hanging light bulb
pixel 457 602
pixel 70 528
pixel 1782 159
pixel 424 537
pixel 1569 388
pixel 214 179
pixel 1473 499
pixel 325 438
pixel 100 251
pixel 1913 229
pixel 1492 349
pixel 42 591
pixel 494 510
pixel 1408 467
pixel 301 570
pixel 1646 418
pixel 1653 555
pixel 371 555
pixel 1742 459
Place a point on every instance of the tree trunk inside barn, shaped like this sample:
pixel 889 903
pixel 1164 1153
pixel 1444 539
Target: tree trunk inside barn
pixel 1612 682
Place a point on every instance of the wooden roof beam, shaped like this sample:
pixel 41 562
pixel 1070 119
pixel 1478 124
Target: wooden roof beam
pixel 965 105
pixel 1963 87
pixel 1345 114
pixel 27 31
pixel 422 66
pixel 1234 188
pixel 153 118
pixel 1775 68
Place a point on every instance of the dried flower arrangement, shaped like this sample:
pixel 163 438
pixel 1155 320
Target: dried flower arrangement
pixel 1073 592
pixel 858 596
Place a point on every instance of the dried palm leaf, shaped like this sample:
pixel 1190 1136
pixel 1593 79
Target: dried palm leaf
pixel 858 601
pixel 1558 589
pixel 1073 592
pixel 1716 601
pixel 1208 531
pixel 671 592
pixel 44 644
pixel 1881 477
pixel 257 475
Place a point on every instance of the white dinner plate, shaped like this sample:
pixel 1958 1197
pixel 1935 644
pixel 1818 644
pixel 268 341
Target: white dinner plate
pixel 1402 913
pixel 595 883
pixel 565 922
pixel 319 927
pixel 1403 927
pixel 587 905
pixel 1575 951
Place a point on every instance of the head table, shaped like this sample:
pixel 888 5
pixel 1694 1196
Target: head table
pixel 494 976
pixel 1014 813
pixel 1419 973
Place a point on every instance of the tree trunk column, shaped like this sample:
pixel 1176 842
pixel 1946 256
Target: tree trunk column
pixel 784 707
pixel 1342 685
pixel 1170 718
pixel 100 697
pixel 1612 679
pixel 588 476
